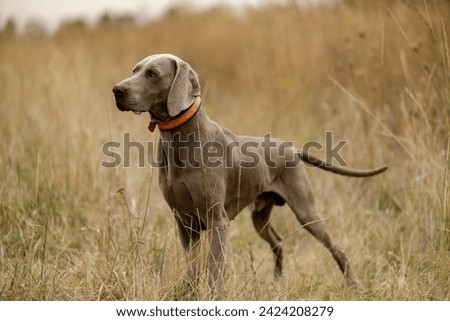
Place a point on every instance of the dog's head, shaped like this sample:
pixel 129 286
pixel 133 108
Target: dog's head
pixel 163 85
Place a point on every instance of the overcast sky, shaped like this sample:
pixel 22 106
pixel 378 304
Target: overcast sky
pixel 52 12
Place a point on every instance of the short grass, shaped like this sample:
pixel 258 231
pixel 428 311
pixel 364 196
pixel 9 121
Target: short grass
pixel 375 73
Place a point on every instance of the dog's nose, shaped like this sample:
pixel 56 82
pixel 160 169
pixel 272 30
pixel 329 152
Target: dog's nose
pixel 119 91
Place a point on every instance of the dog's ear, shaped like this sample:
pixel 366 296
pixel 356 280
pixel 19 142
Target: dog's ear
pixel 184 90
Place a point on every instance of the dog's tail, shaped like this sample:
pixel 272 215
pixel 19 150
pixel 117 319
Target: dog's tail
pixel 316 162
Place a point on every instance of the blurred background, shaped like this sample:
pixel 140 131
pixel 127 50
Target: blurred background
pixel 374 73
pixel 50 13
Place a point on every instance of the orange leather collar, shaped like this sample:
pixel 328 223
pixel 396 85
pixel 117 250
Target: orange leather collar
pixel 177 122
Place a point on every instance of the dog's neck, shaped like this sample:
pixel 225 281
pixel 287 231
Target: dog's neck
pixel 196 128
pixel 181 145
pixel 179 120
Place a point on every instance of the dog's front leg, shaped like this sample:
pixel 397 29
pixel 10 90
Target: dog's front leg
pixel 190 239
pixel 219 233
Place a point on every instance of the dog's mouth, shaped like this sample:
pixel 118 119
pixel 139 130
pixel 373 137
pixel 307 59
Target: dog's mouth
pixel 123 107
pixel 128 107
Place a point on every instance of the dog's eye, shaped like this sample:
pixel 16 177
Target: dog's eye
pixel 152 73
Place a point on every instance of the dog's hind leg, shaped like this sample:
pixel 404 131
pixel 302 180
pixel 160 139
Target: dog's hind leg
pixel 261 222
pixel 298 194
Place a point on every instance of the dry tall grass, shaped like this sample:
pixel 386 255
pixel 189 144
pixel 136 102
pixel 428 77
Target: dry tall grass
pixel 374 72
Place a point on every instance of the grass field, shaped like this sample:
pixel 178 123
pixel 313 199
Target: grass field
pixel 375 73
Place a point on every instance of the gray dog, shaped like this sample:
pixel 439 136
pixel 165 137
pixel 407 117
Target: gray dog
pixel 208 174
